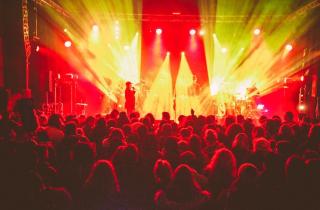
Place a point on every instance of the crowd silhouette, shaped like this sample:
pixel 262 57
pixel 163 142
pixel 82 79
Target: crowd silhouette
pixel 116 161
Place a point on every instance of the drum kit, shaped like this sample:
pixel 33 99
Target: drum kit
pixel 235 104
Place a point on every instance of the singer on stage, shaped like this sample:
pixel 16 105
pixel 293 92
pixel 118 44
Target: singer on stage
pixel 130 98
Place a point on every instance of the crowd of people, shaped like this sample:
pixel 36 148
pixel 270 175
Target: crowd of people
pixel 122 162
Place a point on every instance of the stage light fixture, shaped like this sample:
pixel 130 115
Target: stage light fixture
pixel 37 48
pixel 302 78
pixel 260 106
pixel 257 31
pixel 126 47
pixel 301 107
pixel 224 50
pixel 214 89
pixel 95 28
pixel 67 44
pixel 192 32
pixel 201 32
pixel 289 47
pixel 65 30
pixel 158 31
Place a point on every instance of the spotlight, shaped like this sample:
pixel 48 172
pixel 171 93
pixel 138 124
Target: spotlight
pixel 302 78
pixel 302 107
pixel 67 44
pixel 158 31
pixel 224 50
pixel 289 47
pixel 214 89
pixel 95 28
pixel 257 31
pixel 65 30
pixel 126 47
pixel 260 106
pixel 37 48
pixel 192 32
pixel 201 32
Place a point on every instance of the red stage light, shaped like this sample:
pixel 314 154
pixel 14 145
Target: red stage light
pixel 158 31
pixel 192 32
pixel 67 44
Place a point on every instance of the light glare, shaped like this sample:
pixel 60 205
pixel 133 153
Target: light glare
pixel 67 44
pixel 192 32
pixel 224 50
pixel 302 107
pixel 289 47
pixel 260 106
pixel 126 47
pixel 95 28
pixel 158 31
pixel 257 31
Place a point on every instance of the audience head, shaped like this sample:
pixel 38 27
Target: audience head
pixel 288 116
pixel 55 120
pixel 247 173
pixel 261 145
pixel 103 178
pixel 241 142
pixel 165 116
pixel 183 187
pixel 70 128
pixel 314 134
pixel 210 136
pixel 224 163
pixel 162 172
